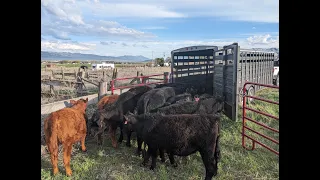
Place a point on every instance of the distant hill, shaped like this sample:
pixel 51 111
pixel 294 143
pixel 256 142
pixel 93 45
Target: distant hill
pixel 46 55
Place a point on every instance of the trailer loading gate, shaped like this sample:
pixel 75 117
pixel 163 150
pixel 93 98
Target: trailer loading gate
pixel 222 71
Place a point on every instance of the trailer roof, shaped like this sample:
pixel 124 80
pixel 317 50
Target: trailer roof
pixel 215 48
pixel 195 48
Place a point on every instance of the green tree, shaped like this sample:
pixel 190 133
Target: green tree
pixel 160 61
pixel 76 62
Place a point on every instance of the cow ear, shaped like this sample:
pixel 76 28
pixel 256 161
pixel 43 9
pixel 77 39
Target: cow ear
pixel 73 102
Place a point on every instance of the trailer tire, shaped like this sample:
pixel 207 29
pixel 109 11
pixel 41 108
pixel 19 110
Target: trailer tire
pixel 277 81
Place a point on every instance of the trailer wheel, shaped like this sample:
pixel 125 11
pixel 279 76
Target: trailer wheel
pixel 277 80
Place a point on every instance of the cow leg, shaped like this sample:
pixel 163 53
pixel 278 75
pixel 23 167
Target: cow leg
pixel 54 156
pixel 121 133
pixel 162 155
pixel 102 128
pixel 139 145
pixel 210 163
pixel 146 157
pixel 83 146
pixel 172 161
pixel 112 133
pixel 67 148
pixel 100 139
pixel 153 152
pixel 128 143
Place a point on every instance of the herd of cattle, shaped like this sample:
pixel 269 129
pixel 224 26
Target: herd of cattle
pixel 168 118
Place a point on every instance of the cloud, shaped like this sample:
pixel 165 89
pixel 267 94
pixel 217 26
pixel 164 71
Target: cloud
pixel 246 10
pixel 155 48
pixel 263 40
pixel 104 43
pixel 65 10
pixel 154 27
pixel 129 9
pixel 66 46
pixel 124 44
pixel 254 28
pixel 60 19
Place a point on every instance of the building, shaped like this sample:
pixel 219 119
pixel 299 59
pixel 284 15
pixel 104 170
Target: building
pixel 103 65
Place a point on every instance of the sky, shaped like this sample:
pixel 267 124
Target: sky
pixel 153 28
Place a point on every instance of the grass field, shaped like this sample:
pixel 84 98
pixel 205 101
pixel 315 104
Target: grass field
pixel 236 163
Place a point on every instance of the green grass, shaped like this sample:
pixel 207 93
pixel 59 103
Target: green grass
pixel 236 163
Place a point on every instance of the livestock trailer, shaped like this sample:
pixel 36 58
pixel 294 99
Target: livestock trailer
pixel 222 71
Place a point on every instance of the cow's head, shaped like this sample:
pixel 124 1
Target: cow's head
pixel 80 104
pixel 129 120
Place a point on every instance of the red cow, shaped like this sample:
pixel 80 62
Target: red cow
pixel 107 100
pixel 66 126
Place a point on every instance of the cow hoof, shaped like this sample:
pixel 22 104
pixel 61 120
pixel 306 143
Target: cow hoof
pixel 115 145
pixel 128 144
pixel 163 160
pixel 152 168
pixel 138 154
pixel 84 151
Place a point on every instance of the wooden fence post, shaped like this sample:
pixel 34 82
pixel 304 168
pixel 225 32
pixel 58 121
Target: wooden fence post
pixel 62 73
pixel 102 89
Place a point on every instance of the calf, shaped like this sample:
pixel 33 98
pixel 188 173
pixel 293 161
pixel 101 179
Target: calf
pixel 107 100
pixel 204 106
pixel 93 124
pixel 180 135
pixel 207 106
pixel 154 99
pixel 112 114
pixel 179 98
pixel 66 126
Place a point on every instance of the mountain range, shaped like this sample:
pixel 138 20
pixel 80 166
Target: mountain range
pixel 53 56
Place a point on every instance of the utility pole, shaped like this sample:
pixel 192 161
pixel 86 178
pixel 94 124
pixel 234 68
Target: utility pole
pixel 152 59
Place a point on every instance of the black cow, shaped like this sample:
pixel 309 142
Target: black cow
pixel 181 135
pixel 112 114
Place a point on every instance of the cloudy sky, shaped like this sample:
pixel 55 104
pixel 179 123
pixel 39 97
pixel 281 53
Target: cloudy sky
pixel 154 27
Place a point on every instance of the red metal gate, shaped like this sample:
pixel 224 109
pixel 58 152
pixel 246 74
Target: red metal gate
pixel 164 79
pixel 244 118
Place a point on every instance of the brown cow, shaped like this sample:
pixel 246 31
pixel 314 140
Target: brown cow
pixel 66 126
pixel 107 100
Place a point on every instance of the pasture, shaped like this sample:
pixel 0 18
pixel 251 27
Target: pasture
pixel 105 162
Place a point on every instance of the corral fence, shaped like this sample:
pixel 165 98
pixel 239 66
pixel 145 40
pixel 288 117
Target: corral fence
pixel 140 81
pixel 245 118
